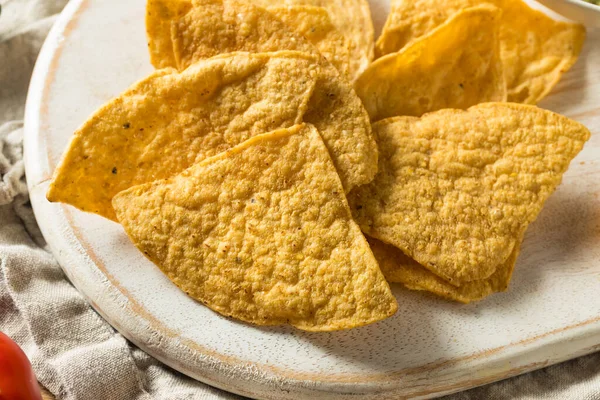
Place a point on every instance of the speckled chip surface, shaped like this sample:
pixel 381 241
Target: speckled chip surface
pixel 262 233
pixel 170 120
pixel 456 189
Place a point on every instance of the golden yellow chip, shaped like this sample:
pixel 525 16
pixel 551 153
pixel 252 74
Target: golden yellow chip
pixel 456 189
pixel 262 233
pixel 536 50
pixel 352 18
pixel 169 121
pixel 339 115
pixel 159 14
pixel 398 267
pixel 455 66
pixel 315 25
pixel 214 27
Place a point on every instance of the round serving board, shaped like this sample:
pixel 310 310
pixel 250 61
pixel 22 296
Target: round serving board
pixel 551 312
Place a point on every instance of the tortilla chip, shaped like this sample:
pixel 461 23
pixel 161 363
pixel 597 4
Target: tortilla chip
pixel 455 66
pixel 169 121
pixel 398 267
pixel 270 243
pixel 214 27
pixel 456 189
pixel 315 25
pixel 159 14
pixel 339 115
pixel 352 18
pixel 535 49
pixel 311 22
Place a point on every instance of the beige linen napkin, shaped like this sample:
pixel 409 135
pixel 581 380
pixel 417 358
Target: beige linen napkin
pixel 75 353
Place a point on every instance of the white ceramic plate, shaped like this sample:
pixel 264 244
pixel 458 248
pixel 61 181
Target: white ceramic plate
pixel 577 10
pixel 430 347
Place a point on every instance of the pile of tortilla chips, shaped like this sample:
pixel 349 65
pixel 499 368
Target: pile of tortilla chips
pixel 534 49
pixel 456 190
pixel 247 169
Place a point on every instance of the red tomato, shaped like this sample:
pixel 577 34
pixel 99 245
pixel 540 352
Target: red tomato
pixel 17 381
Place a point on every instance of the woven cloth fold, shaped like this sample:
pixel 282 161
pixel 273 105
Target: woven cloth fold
pixel 75 353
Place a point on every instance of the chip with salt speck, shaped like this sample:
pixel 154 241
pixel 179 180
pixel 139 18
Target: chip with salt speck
pixel 457 189
pixel 295 256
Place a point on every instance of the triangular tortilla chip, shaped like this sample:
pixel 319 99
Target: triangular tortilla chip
pixel 262 233
pixel 214 27
pixel 456 189
pixel 169 121
pixel 351 20
pixel 535 49
pixel 400 268
pixel 455 66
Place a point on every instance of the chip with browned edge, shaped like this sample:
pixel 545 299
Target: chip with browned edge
pixel 535 49
pixel 457 65
pixel 214 27
pixel 262 233
pixel 400 268
pixel 456 189
pixel 169 121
